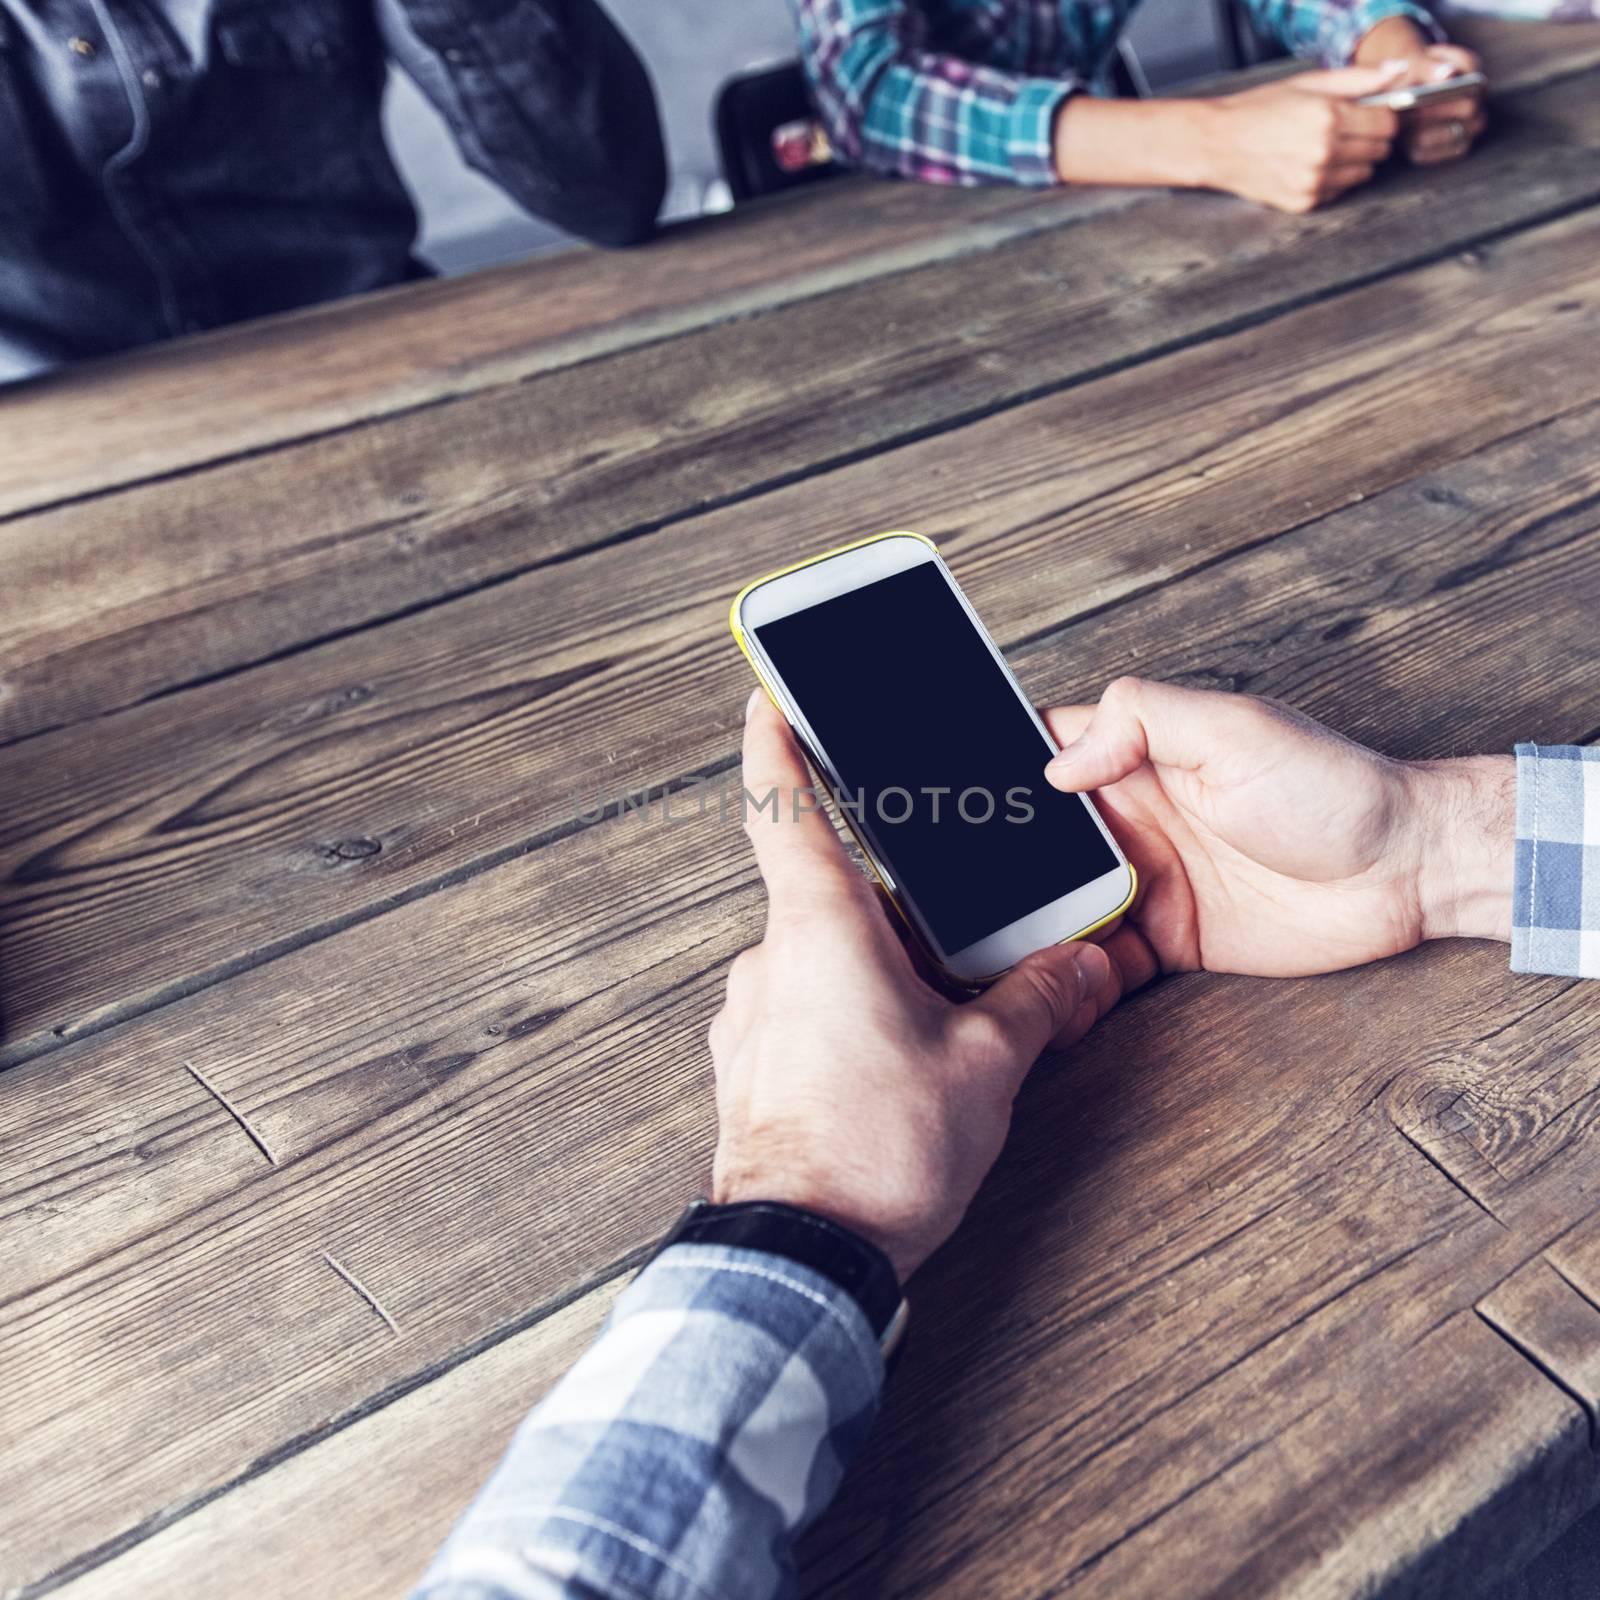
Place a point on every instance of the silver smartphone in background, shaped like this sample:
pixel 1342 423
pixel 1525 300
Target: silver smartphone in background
pixel 932 753
pixel 1413 94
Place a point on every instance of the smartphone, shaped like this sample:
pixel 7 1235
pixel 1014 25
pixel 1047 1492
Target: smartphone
pixel 931 753
pixel 1405 98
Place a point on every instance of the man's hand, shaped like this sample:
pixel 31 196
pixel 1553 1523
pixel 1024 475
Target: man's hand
pixel 1268 844
pixel 1435 130
pixel 1300 142
pixel 845 1083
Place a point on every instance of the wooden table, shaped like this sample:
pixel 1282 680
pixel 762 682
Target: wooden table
pixel 350 1072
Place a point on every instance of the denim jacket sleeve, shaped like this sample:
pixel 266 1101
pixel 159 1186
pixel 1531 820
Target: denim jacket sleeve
pixel 701 1433
pixel 547 99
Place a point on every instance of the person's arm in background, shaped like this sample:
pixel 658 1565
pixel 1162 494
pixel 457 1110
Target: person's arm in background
pixel 1299 142
pixel 548 100
pixel 892 105
pixel 718 1409
pixel 1268 844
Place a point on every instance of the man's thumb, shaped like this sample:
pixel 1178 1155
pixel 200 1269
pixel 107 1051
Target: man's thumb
pixel 1137 720
pixel 1043 999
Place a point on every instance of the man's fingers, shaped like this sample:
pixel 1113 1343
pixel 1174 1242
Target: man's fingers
pixel 1132 956
pixel 1450 61
pixel 1367 122
pixel 1443 141
pixel 1368 151
pixel 1429 152
pixel 1350 83
pixel 1434 113
pixel 1137 720
pixel 796 847
pixel 1054 995
pixel 1347 175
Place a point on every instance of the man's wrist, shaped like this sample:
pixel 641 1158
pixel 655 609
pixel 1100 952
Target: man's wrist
pixel 1465 812
pixel 842 1254
pixel 744 1187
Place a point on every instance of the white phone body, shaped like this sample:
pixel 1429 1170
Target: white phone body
pixel 1068 916
pixel 1405 98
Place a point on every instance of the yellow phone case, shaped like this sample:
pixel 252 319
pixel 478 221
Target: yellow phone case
pixel 866 851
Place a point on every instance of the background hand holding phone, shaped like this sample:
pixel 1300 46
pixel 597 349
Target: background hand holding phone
pixel 1300 142
pixel 1442 128
pixel 1438 129
pixel 1268 844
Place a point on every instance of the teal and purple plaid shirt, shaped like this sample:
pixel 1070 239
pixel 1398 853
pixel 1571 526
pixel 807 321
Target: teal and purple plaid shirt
pixel 966 91
pixel 715 1415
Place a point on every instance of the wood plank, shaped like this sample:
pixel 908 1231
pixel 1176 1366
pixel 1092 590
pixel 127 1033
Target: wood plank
pixel 126 596
pixel 169 845
pixel 1440 1476
pixel 438 1444
pixel 402 1118
pixel 1560 1335
pixel 1556 1327
pixel 175 406
pixel 1523 53
pixel 563 1007
pixel 247 388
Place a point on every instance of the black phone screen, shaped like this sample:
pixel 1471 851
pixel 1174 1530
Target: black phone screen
pixel 941 766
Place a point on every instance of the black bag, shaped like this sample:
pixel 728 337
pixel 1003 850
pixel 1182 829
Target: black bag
pixel 769 133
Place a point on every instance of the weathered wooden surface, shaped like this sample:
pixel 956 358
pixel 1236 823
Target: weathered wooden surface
pixel 119 598
pixel 380 1069
pixel 316 790
pixel 201 400
pixel 339 366
pixel 1279 1289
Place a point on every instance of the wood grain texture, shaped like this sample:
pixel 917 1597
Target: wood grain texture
pixel 1557 1328
pixel 162 847
pixel 248 388
pixel 437 1444
pixel 439 1441
pixel 1521 53
pixel 121 597
pixel 176 406
pixel 1272 1294
pixel 465 1058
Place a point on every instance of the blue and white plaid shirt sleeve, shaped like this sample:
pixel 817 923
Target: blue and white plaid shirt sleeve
pixel 1555 918
pixel 706 1427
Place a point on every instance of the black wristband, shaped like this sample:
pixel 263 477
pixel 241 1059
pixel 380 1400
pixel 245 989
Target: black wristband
pixel 839 1254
